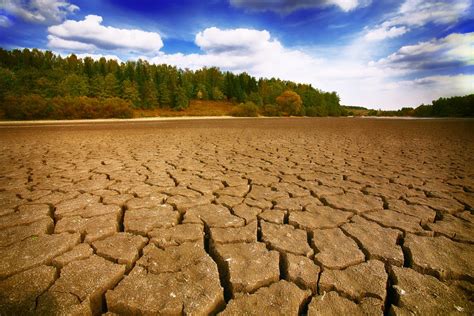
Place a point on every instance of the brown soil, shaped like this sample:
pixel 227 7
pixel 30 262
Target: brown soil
pixel 257 216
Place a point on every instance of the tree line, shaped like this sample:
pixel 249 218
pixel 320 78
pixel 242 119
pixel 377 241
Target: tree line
pixel 40 84
pixel 459 106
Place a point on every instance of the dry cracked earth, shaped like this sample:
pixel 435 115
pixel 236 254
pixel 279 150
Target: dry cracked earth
pixel 257 216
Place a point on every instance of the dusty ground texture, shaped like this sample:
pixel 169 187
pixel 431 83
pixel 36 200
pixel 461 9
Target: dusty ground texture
pixel 255 216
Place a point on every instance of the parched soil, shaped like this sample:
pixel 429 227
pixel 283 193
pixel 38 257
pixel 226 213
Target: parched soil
pixel 243 216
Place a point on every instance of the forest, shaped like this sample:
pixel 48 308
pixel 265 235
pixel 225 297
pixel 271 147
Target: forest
pixel 37 84
pixel 442 107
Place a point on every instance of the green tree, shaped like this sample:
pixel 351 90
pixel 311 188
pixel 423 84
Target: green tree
pixel 164 95
pixel 74 85
pixel 111 86
pixel 97 86
pixel 130 92
pixel 7 81
pixel 181 100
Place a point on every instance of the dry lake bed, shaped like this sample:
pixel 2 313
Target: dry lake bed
pixel 238 216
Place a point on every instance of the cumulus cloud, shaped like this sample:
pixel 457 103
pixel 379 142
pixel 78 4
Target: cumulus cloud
pixel 417 13
pixel 39 11
pixel 214 40
pixel 241 50
pixel 57 42
pixel 91 33
pixel 288 6
pixel 452 51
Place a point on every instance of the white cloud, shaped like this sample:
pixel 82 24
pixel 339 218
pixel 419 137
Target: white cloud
pixel 426 89
pixel 454 50
pixel 384 32
pixel 56 42
pixel 99 56
pixel 417 13
pixel 39 11
pixel 288 6
pixel 93 56
pixel 422 12
pixel 215 40
pixel 241 50
pixel 90 31
pixel 5 21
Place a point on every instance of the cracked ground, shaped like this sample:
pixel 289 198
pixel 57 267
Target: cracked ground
pixel 242 216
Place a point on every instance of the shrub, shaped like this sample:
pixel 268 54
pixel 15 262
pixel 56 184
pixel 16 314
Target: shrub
pixel 247 109
pixel 290 102
pixel 33 106
pixel 271 110
pixel 26 107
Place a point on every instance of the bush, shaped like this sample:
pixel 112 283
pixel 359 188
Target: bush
pixel 290 102
pixel 33 106
pixel 316 111
pixel 247 109
pixel 271 110
pixel 28 107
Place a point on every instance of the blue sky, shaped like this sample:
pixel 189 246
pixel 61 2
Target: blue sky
pixel 375 53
